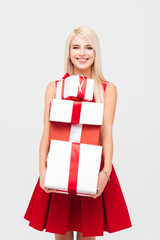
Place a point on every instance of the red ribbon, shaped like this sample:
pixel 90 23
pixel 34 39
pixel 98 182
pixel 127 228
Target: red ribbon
pixel 76 111
pixel 62 91
pixel 73 172
pixel 63 80
pixel 82 87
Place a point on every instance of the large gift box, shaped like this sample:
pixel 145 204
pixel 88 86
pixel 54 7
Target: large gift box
pixel 75 169
pixel 76 112
pixel 75 87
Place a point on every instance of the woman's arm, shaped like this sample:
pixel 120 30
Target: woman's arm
pixel 110 100
pixel 44 143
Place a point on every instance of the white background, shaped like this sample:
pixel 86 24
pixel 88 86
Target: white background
pixel 32 39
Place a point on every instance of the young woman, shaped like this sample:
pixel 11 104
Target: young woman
pixel 106 210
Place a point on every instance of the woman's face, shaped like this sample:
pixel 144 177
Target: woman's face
pixel 82 55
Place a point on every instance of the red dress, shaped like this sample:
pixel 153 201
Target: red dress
pixel 58 213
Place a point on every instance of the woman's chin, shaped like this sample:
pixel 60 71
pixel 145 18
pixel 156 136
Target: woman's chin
pixel 82 67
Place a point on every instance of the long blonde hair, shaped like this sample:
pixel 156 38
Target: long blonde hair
pixel 96 69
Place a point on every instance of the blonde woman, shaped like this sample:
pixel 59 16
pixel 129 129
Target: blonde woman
pixel 62 214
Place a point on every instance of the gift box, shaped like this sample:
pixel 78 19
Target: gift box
pixel 75 87
pixel 80 133
pixel 73 168
pixel 78 112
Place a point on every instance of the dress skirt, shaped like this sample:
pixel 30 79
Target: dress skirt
pixel 59 213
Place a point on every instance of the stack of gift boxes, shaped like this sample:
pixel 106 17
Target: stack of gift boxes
pixel 74 156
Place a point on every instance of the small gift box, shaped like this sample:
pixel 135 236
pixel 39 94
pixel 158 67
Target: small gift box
pixel 73 167
pixel 70 111
pixel 75 87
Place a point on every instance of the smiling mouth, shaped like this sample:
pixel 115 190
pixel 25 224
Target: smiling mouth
pixel 82 59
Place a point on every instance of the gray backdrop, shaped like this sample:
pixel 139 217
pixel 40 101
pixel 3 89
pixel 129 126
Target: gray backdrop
pixel 32 40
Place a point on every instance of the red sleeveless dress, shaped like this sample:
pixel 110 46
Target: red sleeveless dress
pixel 59 213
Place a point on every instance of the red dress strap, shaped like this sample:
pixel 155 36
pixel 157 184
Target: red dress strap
pixel 104 84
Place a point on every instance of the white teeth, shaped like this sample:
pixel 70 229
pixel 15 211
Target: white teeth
pixel 82 59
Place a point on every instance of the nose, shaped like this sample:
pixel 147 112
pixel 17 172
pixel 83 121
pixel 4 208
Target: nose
pixel 82 51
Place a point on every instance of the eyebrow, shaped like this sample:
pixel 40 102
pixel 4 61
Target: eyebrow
pixel 79 45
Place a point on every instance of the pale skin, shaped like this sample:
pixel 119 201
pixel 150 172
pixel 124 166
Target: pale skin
pixel 81 48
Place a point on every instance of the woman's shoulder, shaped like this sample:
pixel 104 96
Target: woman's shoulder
pixel 53 84
pixel 110 86
pixel 110 92
pixel 51 89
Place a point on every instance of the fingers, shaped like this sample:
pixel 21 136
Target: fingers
pixel 48 190
pixel 98 193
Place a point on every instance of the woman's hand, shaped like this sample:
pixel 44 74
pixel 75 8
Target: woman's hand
pixel 102 181
pixel 42 180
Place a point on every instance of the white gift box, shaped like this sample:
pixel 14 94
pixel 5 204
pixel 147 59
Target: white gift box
pixel 73 86
pixel 73 167
pixel 78 112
